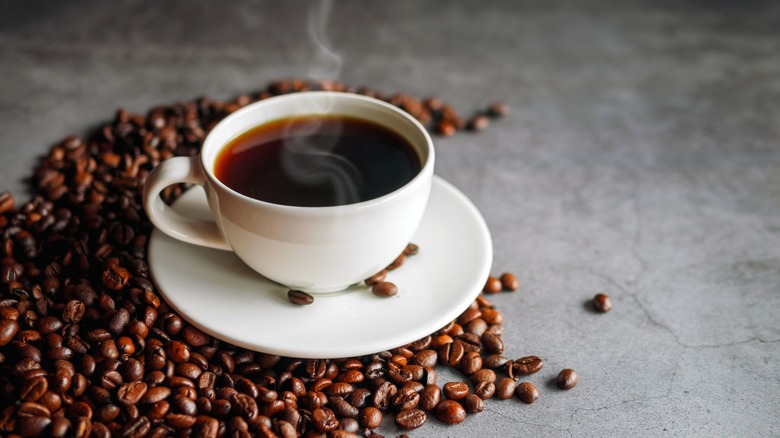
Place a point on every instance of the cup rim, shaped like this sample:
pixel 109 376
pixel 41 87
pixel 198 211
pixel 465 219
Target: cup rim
pixel 426 171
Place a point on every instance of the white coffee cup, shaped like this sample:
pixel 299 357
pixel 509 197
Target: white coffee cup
pixel 315 249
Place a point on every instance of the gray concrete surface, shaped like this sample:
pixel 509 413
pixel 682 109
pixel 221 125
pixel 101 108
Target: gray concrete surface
pixel 641 159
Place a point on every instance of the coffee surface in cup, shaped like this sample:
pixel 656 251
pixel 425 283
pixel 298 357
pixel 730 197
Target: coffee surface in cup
pixel 317 161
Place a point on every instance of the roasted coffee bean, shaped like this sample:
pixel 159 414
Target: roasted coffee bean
pixel 376 278
pixel 359 397
pixel 424 358
pixel 493 344
pixel 410 419
pixel 456 390
pixel 509 282
pixel 405 398
pixel 450 412
pixel 567 379
pixel 396 263
pixel 383 394
pixel 485 390
pixel 131 393
pixel 195 337
pixel 177 351
pixel 498 109
pixel 299 297
pixel 602 303
pixel 525 366
pixel 451 354
pixel 324 420
pixel 384 289
pixel 505 388
pixel 370 417
pixel 8 329
pixel 473 404
pixel 527 392
pixel 33 389
pixel 492 285
pixel 119 321
pixel 429 397
pixel 156 394
pixel 6 202
pixel 483 375
pixel 471 363
pixel 470 342
pixel 478 123
pixel 476 326
pixel 341 407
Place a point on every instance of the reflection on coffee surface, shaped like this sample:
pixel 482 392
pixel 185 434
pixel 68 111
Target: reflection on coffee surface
pixel 317 161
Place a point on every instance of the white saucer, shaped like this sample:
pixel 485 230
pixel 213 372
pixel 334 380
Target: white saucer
pixel 217 293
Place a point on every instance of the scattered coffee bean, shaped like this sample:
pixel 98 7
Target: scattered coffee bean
pixel 498 109
pixel 456 390
pixel 505 388
pixel 376 278
pixel 509 282
pixel 478 123
pixel 602 303
pixel 525 366
pixel 473 404
pixel 384 289
pixel 370 417
pixel 430 397
pixel 567 379
pixel 492 285
pixel 299 297
pixel 410 419
pixel 450 412
pixel 527 392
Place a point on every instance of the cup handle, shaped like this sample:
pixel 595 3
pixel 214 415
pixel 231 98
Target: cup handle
pixel 169 221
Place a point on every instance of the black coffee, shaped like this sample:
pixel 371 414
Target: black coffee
pixel 317 161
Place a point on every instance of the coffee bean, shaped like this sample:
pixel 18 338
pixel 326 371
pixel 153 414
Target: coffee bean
pixel 484 389
pixel 602 303
pixel 498 109
pixel 410 419
pixel 299 297
pixel 525 366
pixel 479 123
pixel 424 358
pixel 411 249
pixel 384 289
pixel 567 379
pixel 8 329
pixel 505 388
pixel 456 390
pixel 527 392
pixel 376 278
pixel 476 327
pixel 405 398
pixel 324 420
pixel 509 282
pixel 471 363
pixel 492 285
pixel 177 351
pixel 450 412
pixel 493 344
pixel 397 262
pixel 131 393
pixel 473 404
pixel 6 202
pixel 33 389
pixel 341 407
pixel 370 417
pixel 156 394
pixel 483 375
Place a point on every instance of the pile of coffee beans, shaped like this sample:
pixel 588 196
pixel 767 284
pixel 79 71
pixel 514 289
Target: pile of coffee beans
pixel 88 347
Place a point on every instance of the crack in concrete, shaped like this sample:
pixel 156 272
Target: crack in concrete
pixel 529 423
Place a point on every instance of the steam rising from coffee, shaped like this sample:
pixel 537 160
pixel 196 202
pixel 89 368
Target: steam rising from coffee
pixel 307 156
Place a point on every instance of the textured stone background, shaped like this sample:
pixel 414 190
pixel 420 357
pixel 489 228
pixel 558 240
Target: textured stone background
pixel 641 159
